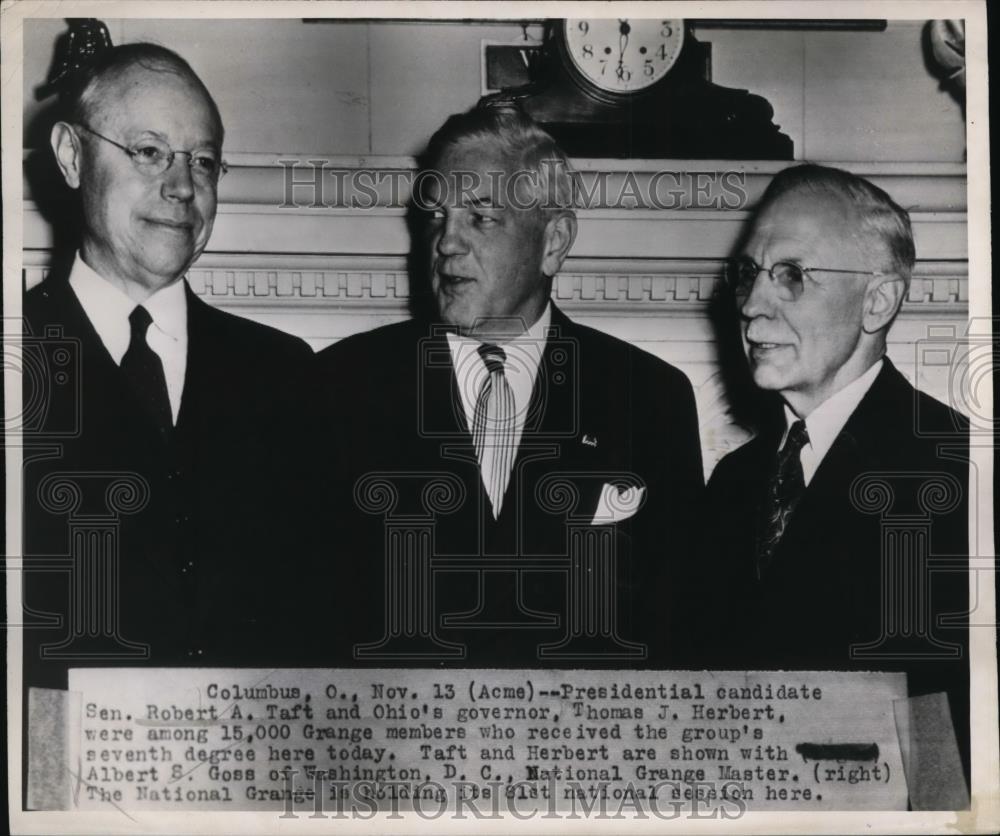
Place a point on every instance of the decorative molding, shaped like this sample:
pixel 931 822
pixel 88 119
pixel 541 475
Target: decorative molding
pixel 662 308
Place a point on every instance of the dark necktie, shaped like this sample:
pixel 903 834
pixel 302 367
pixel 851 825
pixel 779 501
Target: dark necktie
pixel 784 490
pixel 144 372
pixel 493 426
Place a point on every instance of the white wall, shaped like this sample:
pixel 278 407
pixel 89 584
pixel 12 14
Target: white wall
pixel 382 87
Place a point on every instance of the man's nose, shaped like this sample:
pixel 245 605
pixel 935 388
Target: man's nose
pixel 760 300
pixel 178 181
pixel 450 240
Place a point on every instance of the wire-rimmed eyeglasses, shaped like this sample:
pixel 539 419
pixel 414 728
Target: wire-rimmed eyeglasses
pixel 152 158
pixel 788 277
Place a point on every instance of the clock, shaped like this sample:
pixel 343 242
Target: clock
pixel 622 56
pixel 640 88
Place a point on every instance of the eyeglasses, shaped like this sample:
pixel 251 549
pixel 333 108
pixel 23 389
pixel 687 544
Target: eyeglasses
pixel 152 158
pixel 788 278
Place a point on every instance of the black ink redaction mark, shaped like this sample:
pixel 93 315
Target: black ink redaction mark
pixel 838 751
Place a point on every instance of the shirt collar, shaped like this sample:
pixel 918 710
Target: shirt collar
pixel 523 357
pixel 826 421
pixel 168 307
pixel 108 308
pixel 532 341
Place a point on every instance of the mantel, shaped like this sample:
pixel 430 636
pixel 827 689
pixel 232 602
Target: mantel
pixel 650 220
pixel 648 275
pixel 292 230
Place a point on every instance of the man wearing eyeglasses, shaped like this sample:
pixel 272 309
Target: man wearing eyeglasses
pixel 811 545
pixel 172 422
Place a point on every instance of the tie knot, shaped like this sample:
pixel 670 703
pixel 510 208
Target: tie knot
pixel 140 321
pixel 493 356
pixel 798 437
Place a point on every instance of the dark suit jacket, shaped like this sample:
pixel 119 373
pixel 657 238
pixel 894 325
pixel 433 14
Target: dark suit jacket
pixel 600 410
pixel 838 578
pixel 200 528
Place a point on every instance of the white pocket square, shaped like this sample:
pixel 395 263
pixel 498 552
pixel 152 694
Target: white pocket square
pixel 617 503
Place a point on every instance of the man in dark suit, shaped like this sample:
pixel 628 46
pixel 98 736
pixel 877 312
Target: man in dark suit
pixel 517 484
pixel 160 460
pixel 842 531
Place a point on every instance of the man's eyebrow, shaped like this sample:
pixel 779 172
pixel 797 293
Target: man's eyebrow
pixel 479 202
pixel 138 134
pixel 203 144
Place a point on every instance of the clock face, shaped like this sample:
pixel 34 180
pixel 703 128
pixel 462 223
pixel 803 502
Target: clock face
pixel 623 55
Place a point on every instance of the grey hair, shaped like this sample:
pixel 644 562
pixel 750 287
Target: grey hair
pixel 83 97
pixel 879 216
pixel 516 135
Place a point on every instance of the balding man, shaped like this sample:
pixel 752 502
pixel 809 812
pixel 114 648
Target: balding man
pixel 829 521
pixel 548 473
pixel 160 511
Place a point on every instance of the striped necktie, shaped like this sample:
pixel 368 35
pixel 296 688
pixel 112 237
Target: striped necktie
pixel 784 490
pixel 493 426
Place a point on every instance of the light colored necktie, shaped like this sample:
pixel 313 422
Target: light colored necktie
pixel 493 426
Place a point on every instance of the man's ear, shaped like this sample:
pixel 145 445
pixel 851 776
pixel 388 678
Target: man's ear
pixel 68 151
pixel 882 302
pixel 560 233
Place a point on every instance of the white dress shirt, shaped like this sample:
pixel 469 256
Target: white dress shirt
pixel 826 421
pixel 523 356
pixel 108 308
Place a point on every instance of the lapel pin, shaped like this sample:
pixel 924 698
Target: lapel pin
pixel 589 440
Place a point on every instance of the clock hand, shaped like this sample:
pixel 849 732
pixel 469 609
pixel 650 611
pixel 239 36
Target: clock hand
pixel 623 33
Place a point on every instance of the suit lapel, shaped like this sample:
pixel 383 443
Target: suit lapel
pixel 105 385
pixel 200 355
pixel 443 434
pixel 550 441
pixel 441 409
pixel 855 449
pixel 825 497
pixel 857 445
pixel 69 311
pixel 440 413
pixel 552 410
